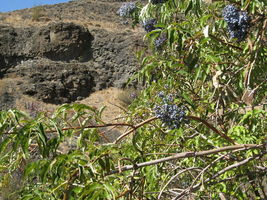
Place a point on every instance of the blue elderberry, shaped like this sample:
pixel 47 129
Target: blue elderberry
pixel 169 113
pixel 157 1
pixel 149 25
pixel 160 41
pixel 238 22
pixel 126 9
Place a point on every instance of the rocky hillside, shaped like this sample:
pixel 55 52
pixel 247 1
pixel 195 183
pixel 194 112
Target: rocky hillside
pixel 63 53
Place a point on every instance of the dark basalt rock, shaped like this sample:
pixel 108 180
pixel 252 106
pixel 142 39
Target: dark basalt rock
pixel 57 41
pixel 62 62
pixel 55 81
pixel 62 41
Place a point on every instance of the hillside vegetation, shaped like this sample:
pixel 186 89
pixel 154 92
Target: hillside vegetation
pixel 197 130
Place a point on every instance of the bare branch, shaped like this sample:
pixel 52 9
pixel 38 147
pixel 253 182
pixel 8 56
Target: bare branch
pixel 188 155
pixel 84 127
pixel 134 128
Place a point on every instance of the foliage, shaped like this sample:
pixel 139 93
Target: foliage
pixel 220 152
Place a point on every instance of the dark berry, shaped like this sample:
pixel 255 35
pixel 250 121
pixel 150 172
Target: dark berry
pixel 160 41
pixel 149 25
pixel 237 21
pixel 169 113
pixel 126 9
pixel 157 1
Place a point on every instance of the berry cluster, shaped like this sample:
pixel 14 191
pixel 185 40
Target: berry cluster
pixel 169 113
pixel 126 9
pixel 149 25
pixel 157 1
pixel 160 41
pixel 237 21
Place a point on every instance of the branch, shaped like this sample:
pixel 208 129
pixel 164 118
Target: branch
pixel 81 127
pixel 134 128
pixel 212 128
pixel 172 178
pixel 235 165
pixel 92 126
pixel 226 43
pixel 187 155
pixel 69 186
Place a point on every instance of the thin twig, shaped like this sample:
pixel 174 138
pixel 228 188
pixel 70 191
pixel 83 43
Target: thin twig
pixel 220 40
pixel 69 185
pixel 120 107
pixel 212 128
pixel 85 127
pixel 134 128
pixel 172 178
pixel 200 174
pixel 235 165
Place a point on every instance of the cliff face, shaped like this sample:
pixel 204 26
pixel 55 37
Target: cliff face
pixel 62 53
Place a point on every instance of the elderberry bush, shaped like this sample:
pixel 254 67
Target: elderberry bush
pixel 149 25
pixel 169 113
pixel 237 21
pixel 126 9
pixel 157 1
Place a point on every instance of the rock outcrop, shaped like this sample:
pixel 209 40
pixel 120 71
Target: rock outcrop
pixel 63 60
pixel 57 41
pixel 55 81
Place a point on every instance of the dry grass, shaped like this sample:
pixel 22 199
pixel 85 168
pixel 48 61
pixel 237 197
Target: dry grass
pixel 12 19
pixel 33 106
pixel 112 98
pixel 127 96
pixel 113 112
pixel 3 86
pixel 38 18
pixel 17 21
pixel 109 99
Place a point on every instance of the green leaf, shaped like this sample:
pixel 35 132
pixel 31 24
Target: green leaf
pixel 41 133
pixel 189 7
pixel 4 144
pixel 31 167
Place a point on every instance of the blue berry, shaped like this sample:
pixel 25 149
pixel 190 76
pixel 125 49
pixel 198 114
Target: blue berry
pixel 160 41
pixel 127 9
pixel 157 1
pixel 161 94
pixel 149 25
pixel 169 113
pixel 237 21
